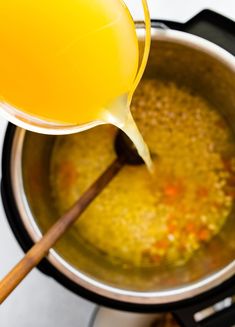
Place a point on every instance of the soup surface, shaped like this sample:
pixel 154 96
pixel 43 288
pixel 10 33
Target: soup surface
pixel 142 219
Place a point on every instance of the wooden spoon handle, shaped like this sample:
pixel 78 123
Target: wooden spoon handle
pixel 42 247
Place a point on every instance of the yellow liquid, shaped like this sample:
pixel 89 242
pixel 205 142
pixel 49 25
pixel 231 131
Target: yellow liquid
pixel 68 61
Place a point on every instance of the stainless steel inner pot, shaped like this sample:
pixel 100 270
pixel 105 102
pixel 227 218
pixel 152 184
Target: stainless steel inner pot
pixel 175 56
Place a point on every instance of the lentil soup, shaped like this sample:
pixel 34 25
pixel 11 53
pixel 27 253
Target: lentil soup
pixel 149 220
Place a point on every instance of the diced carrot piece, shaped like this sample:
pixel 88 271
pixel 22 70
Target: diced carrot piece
pixel 191 227
pixel 203 234
pixel 171 190
pixel 217 205
pixel 171 226
pixel 202 192
pixel 162 244
pixel 155 258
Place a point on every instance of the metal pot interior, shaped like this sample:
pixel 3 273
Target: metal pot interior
pixel 171 59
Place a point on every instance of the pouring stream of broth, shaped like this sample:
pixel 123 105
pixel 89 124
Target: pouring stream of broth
pixel 119 113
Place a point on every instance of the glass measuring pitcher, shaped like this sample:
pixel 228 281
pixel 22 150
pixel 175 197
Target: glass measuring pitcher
pixel 62 63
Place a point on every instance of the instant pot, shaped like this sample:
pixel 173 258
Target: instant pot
pixel 200 56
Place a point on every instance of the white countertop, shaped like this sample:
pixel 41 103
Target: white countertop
pixel 39 301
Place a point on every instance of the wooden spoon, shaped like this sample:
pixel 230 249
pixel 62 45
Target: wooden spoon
pixel 127 154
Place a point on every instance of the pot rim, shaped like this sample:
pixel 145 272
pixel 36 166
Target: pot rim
pixel 116 294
